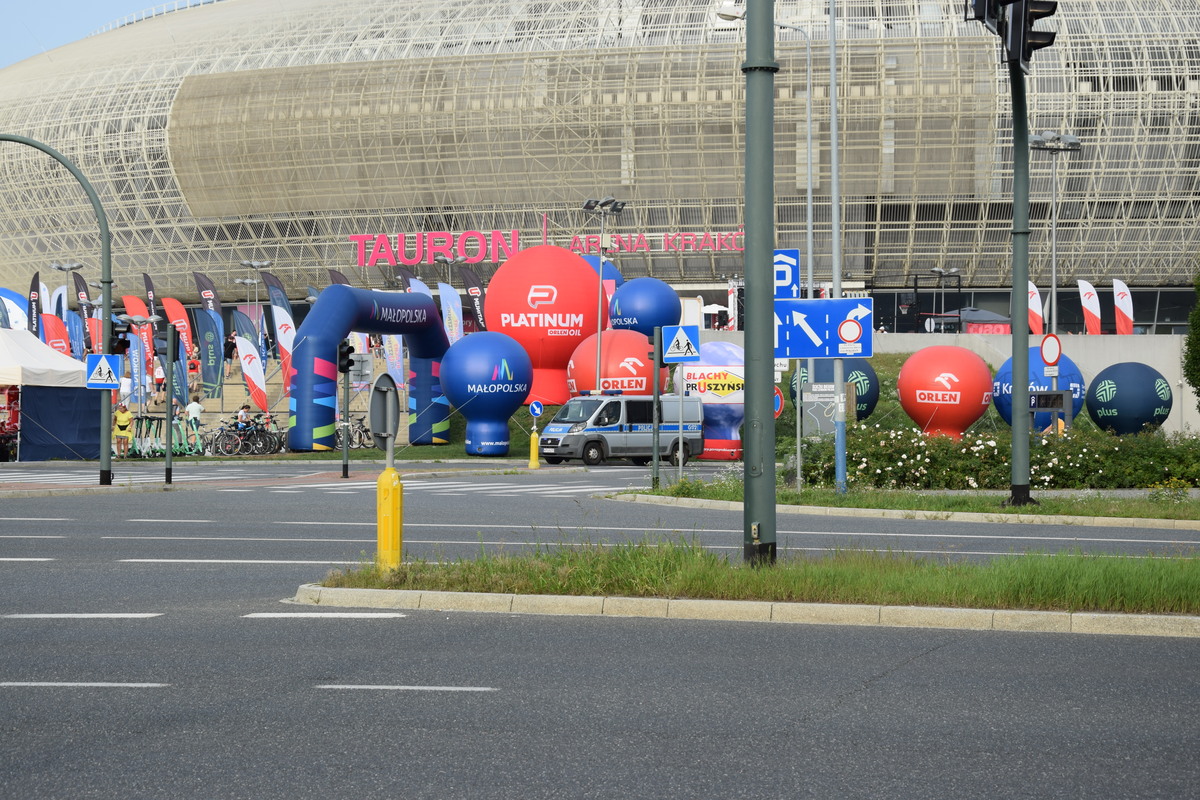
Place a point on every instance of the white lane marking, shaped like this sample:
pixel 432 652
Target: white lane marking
pixel 172 521
pixel 236 490
pixel 341 492
pixel 32 536
pixel 26 559
pixel 286 491
pixel 324 615
pixel 224 561
pixel 379 688
pixel 83 684
pixel 37 519
pixel 231 539
pixel 136 615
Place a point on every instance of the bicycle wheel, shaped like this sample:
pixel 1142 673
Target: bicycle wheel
pixel 356 438
pixel 227 443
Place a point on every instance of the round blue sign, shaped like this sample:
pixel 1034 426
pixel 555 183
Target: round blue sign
pixel 536 408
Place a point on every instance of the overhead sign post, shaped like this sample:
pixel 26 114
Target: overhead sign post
pixel 384 412
pixel 835 328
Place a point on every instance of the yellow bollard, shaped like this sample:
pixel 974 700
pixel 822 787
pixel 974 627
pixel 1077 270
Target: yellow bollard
pixel 534 462
pixel 389 516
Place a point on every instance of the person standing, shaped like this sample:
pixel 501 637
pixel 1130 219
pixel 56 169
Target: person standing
pixel 193 411
pixel 122 429
pixel 230 352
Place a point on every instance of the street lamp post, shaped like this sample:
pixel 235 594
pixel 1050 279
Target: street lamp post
pixel 248 282
pixel 731 12
pixel 1054 144
pixel 943 276
pixel 605 207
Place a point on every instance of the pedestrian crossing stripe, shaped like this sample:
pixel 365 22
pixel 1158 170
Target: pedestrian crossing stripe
pixel 104 371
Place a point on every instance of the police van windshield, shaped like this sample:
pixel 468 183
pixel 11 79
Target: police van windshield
pixel 577 411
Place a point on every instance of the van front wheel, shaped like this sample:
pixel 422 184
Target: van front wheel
pixel 593 454
pixel 675 454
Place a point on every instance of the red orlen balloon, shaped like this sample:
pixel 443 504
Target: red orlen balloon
pixel 625 364
pixel 545 298
pixel 945 389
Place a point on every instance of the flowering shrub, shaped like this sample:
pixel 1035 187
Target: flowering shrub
pixel 1081 458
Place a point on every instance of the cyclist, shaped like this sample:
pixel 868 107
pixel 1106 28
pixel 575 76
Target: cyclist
pixel 193 410
pixel 243 417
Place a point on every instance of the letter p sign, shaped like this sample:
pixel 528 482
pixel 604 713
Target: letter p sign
pixel 787 274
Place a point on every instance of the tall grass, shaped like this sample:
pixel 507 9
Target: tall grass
pixel 680 569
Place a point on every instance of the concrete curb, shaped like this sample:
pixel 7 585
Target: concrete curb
pixel 956 516
pixel 974 619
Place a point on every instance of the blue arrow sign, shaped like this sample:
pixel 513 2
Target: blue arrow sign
pixel 839 328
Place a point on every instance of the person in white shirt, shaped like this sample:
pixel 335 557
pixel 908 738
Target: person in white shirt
pixel 193 411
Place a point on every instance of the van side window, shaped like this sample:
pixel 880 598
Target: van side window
pixel 609 414
pixel 639 412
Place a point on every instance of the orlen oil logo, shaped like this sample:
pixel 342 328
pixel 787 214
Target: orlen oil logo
pixel 541 295
pixel 941 397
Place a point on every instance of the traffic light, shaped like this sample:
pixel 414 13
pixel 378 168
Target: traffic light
pixel 345 362
pixel 987 12
pixel 1020 39
pixel 118 344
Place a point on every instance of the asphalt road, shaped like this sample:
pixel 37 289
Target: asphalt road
pixel 210 686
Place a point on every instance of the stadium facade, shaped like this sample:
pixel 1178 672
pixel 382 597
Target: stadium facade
pixel 364 135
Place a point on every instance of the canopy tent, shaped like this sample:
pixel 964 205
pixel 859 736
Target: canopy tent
pixel 56 415
pixel 26 361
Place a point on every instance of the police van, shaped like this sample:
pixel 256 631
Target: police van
pixel 597 428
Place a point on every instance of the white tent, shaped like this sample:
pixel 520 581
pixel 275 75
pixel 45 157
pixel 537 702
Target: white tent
pixel 26 361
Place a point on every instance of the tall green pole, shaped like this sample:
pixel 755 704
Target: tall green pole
pixel 759 440
pixel 1021 422
pixel 105 290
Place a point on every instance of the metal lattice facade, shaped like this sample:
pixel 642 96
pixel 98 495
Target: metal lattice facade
pixel 243 129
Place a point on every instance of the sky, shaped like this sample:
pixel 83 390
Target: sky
pixel 35 26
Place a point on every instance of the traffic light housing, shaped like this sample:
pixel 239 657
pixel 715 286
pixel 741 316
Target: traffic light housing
pixel 1020 39
pixel 987 12
pixel 344 360
pixel 118 344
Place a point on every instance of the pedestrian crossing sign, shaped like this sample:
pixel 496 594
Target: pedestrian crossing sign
pixel 682 343
pixel 104 371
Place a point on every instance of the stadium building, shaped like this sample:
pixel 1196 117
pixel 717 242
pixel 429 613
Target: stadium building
pixel 367 135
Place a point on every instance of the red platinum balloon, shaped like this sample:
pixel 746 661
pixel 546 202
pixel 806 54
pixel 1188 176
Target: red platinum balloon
pixel 945 389
pixel 546 299
pixel 625 364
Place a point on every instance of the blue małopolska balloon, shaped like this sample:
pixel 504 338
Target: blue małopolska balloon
pixel 644 304
pixel 1126 397
pixel 487 376
pixel 857 371
pixel 611 273
pixel 1069 377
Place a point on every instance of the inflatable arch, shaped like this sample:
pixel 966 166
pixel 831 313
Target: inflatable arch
pixel 314 382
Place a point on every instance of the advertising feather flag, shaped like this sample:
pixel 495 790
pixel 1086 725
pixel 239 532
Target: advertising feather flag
pixel 337 277
pixel 405 277
pixel 76 330
pixel 1036 323
pixel 209 299
pixel 17 306
pixel 177 316
pixel 210 343
pixel 137 367
pixel 475 292
pixel 393 353
pixel 246 335
pixel 452 312
pixel 33 310
pixel 136 307
pixel 1123 302
pixel 54 333
pixel 85 311
pixel 417 285
pixel 1091 307
pixel 151 304
pixel 285 327
pixel 58 302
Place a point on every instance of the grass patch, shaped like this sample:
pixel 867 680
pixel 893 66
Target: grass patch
pixel 1061 582
pixel 1157 504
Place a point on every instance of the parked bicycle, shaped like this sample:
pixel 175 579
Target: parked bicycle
pixel 360 435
